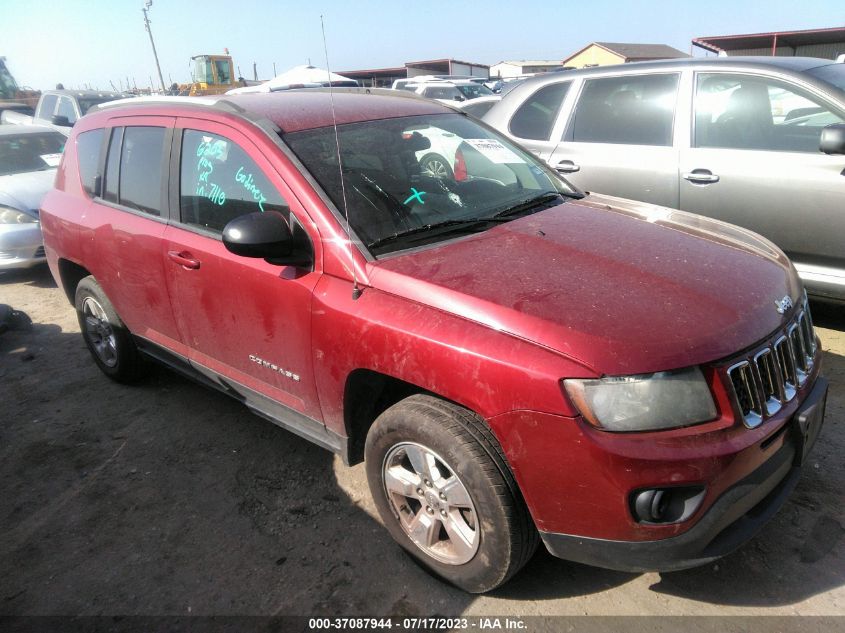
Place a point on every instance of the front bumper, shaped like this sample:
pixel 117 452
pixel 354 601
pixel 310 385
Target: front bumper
pixel 21 246
pixel 734 518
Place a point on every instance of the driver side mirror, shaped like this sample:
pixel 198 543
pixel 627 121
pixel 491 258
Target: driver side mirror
pixel 459 98
pixel 268 235
pixel 832 140
pixel 60 119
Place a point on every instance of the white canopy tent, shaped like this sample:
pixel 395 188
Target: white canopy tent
pixel 299 77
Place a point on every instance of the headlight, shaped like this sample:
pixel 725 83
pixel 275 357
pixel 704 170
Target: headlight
pixel 646 402
pixel 8 215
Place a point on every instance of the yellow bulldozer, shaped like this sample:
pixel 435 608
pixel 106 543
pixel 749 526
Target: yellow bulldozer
pixel 211 75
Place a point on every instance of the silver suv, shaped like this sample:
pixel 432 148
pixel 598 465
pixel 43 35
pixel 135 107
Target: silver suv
pixel 754 141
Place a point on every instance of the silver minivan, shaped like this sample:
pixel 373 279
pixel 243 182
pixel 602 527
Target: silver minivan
pixel 754 141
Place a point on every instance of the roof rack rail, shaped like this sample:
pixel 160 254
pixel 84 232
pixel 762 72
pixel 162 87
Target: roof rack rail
pixel 216 101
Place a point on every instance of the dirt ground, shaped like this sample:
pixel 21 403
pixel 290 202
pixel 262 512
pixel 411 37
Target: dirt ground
pixel 169 499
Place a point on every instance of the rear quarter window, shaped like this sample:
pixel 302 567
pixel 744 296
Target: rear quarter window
pixel 534 118
pixel 88 156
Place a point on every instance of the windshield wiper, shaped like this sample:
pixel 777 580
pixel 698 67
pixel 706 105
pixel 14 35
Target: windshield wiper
pixel 451 226
pixel 527 205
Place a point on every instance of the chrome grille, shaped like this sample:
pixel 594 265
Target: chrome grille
pixel 769 377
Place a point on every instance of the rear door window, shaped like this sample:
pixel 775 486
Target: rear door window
pixel 758 113
pixel 134 168
pixel 534 118
pixel 219 182
pixel 631 110
pixel 141 169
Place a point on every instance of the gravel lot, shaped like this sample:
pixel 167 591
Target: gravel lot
pixel 167 498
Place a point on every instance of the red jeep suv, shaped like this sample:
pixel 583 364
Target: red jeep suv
pixel 514 360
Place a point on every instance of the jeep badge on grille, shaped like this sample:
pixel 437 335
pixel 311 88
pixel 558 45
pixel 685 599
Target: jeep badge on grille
pixel 783 305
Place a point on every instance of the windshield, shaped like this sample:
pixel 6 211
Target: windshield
pixel 412 176
pixel 831 73
pixel 30 152
pixel 474 91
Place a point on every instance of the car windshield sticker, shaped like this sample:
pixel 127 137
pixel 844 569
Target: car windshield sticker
pixel 51 159
pixel 493 150
pixel 245 178
pixel 416 195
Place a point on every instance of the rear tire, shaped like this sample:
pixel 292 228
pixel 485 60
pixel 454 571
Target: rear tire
pixel 105 335
pixel 445 493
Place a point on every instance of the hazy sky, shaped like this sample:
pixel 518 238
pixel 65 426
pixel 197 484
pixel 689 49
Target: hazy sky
pixel 79 42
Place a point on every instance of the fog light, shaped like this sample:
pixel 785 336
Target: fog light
pixel 666 505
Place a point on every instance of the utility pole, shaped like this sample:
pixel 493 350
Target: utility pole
pixel 149 3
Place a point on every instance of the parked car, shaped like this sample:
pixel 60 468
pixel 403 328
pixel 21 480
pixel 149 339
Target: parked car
pixel 513 360
pixel 755 141
pixel 60 109
pixel 449 91
pixel 29 155
pixel 399 84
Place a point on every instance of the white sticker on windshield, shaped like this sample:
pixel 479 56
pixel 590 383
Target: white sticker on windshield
pixel 51 159
pixel 494 150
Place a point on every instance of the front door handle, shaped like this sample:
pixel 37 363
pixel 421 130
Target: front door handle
pixel 184 259
pixel 701 176
pixel 567 167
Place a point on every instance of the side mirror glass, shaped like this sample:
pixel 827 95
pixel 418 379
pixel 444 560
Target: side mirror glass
pixel 832 140
pixel 268 236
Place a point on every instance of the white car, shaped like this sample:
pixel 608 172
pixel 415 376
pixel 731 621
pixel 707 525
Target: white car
pixel 450 91
pixel 452 157
pixel 29 155
pixel 400 84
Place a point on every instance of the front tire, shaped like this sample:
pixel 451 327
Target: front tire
pixel 435 166
pixel 444 491
pixel 105 335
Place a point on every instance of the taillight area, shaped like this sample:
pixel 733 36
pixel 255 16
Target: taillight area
pixel 460 170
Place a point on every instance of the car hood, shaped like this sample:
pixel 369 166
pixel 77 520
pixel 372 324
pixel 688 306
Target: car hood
pixel 619 286
pixel 25 191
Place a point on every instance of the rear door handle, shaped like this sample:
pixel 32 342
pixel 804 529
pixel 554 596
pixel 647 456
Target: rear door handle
pixel 567 167
pixel 701 176
pixel 184 259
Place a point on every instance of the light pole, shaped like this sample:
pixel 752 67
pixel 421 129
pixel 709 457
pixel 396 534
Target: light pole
pixel 149 3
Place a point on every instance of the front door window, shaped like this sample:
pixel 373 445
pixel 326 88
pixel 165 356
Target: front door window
pixel 757 113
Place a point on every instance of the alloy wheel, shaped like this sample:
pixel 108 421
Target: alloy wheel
pixel 432 504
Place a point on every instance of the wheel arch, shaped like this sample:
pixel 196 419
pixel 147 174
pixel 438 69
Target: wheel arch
pixel 71 274
pixel 366 395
